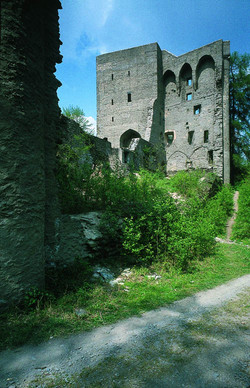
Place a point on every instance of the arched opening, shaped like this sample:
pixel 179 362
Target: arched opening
pixel 171 96
pixel 127 137
pixel 186 81
pixel 205 73
pixel 169 81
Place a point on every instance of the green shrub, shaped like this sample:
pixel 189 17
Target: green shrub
pixel 219 208
pixel 241 228
pixel 35 298
pixel 191 238
pixel 146 237
pixel 196 183
pixel 73 174
pixel 140 219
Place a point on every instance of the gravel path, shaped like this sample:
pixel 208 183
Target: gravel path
pixel 189 343
pixel 231 220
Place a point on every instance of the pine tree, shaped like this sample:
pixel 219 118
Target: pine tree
pixel 239 114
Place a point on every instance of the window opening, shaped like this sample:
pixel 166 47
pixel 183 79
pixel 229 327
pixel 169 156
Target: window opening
pixel 189 164
pixel 189 97
pixel 189 82
pixel 197 109
pixel 190 137
pixel 112 102
pixel 129 73
pixel 112 76
pixel 169 137
pixel 206 136
pixel 129 97
pixel 113 119
pixel 210 157
pixel 125 156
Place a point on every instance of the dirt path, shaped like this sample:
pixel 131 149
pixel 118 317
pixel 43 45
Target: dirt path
pixel 190 343
pixel 231 221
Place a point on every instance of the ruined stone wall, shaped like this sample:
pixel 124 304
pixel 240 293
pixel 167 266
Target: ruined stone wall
pixel 138 153
pixel 194 111
pixel 179 103
pixel 29 49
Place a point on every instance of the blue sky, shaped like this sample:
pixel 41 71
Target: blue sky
pixel 92 27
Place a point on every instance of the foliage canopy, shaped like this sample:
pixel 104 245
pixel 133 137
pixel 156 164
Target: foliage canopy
pixel 77 114
pixel 239 113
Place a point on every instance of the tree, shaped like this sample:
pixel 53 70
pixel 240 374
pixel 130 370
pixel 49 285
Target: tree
pixel 239 113
pixel 77 114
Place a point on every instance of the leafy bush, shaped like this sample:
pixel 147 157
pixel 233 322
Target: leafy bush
pixel 191 238
pixel 73 173
pixel 35 298
pixel 146 236
pixel 140 219
pixel 241 228
pixel 184 231
pixel 196 183
pixel 219 208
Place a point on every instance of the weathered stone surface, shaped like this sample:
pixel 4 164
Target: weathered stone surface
pixel 103 274
pixel 77 236
pixel 29 44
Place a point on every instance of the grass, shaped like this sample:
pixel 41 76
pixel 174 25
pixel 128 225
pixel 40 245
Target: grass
pixel 105 304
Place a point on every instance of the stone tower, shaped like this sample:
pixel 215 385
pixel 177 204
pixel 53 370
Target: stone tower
pixel 179 102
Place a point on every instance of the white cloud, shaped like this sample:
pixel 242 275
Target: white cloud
pixel 92 121
pixel 83 24
pixel 107 11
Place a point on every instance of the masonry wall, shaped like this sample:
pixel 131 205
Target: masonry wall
pixel 131 72
pixel 196 119
pixel 178 103
pixel 29 49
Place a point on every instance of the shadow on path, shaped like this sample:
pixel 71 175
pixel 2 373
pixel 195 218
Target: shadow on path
pixel 144 346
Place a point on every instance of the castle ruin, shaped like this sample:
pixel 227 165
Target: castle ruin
pixel 146 97
pixel 179 104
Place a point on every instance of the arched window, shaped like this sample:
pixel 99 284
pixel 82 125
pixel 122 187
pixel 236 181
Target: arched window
pixel 186 82
pixel 169 137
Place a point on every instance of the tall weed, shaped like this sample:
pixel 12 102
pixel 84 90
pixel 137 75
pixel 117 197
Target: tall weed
pixel 219 208
pixel 241 228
